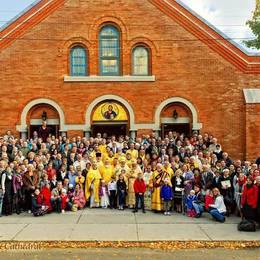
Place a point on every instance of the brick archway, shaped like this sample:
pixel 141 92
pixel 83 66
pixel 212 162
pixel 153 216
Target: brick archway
pixel 23 126
pixel 195 124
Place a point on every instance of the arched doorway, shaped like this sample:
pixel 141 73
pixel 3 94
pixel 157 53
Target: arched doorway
pixel 110 117
pixel 176 114
pixel 176 117
pixel 43 112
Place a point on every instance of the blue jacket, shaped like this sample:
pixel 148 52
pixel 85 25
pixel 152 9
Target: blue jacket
pixel 166 192
pixel 189 201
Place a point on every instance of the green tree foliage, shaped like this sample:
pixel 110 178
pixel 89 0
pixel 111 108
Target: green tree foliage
pixel 254 24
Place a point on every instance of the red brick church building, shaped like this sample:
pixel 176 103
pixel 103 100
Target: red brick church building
pixel 129 67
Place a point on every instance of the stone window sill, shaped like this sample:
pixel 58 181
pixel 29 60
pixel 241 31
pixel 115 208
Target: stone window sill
pixel 110 79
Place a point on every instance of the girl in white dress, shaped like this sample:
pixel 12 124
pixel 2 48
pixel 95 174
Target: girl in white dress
pixel 104 198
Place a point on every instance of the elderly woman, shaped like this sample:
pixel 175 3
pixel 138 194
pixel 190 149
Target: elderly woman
pixel 7 188
pixel 258 202
pixel 218 209
pixel 188 179
pixel 238 187
pixel 178 187
pixel 249 199
pixel 226 190
pixel 30 181
pixel 78 197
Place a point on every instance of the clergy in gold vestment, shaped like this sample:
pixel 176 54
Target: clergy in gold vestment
pixel 168 168
pixel 158 178
pixel 92 185
pixel 106 171
pixel 122 166
pixel 132 151
pixel 132 175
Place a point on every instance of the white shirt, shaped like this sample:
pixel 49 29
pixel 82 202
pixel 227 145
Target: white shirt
pixel 80 163
pixel 219 204
pixel 112 185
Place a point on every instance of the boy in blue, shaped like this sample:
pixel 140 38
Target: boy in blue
pixel 166 196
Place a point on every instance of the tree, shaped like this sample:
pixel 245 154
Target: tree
pixel 254 24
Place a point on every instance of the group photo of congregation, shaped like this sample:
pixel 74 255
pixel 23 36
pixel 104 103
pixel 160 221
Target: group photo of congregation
pixel 190 175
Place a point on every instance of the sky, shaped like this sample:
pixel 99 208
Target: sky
pixel 229 16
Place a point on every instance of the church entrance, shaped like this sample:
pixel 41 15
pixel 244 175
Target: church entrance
pixel 40 113
pixel 109 130
pixel 179 128
pixel 176 117
pixel 110 118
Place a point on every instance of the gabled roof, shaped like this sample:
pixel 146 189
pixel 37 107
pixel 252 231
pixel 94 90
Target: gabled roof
pixel 188 19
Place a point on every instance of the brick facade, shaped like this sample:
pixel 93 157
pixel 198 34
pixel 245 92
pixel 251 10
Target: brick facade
pixel 34 65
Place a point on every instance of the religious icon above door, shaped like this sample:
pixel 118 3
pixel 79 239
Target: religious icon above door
pixel 110 111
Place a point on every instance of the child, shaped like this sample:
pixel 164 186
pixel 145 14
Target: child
pixel 209 199
pixel 112 192
pixel 189 204
pixel 166 196
pixel 139 188
pixel 64 200
pixel 121 191
pixel 103 193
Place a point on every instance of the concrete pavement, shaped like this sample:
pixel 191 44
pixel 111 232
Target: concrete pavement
pixel 114 225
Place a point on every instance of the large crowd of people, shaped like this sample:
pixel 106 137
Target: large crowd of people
pixel 189 175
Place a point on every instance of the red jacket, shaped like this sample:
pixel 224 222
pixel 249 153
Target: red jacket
pixel 139 186
pixel 46 197
pixel 51 172
pixel 250 196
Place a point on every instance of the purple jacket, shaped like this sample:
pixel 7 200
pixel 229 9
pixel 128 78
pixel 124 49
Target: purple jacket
pixel 101 191
pixel 17 182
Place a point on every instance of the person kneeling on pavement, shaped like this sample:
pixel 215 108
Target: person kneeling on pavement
pixel 198 203
pixel 38 207
pixel 218 209
pixel 59 198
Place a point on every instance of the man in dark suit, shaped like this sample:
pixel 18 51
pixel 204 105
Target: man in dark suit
pixel 207 178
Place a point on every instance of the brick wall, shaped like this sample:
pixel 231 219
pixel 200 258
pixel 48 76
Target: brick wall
pixel 252 131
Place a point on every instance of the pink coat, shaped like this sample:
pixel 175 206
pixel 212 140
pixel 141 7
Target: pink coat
pixel 79 198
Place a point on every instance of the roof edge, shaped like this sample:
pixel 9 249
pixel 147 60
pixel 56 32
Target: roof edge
pixel 28 8
pixel 213 27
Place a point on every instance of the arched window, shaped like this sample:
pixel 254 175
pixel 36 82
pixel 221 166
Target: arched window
pixel 109 51
pixel 78 61
pixel 140 59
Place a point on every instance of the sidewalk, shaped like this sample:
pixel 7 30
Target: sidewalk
pixel 114 225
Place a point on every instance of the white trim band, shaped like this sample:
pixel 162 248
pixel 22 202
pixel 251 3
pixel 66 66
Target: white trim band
pixel 179 120
pixel 49 121
pixel 127 78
